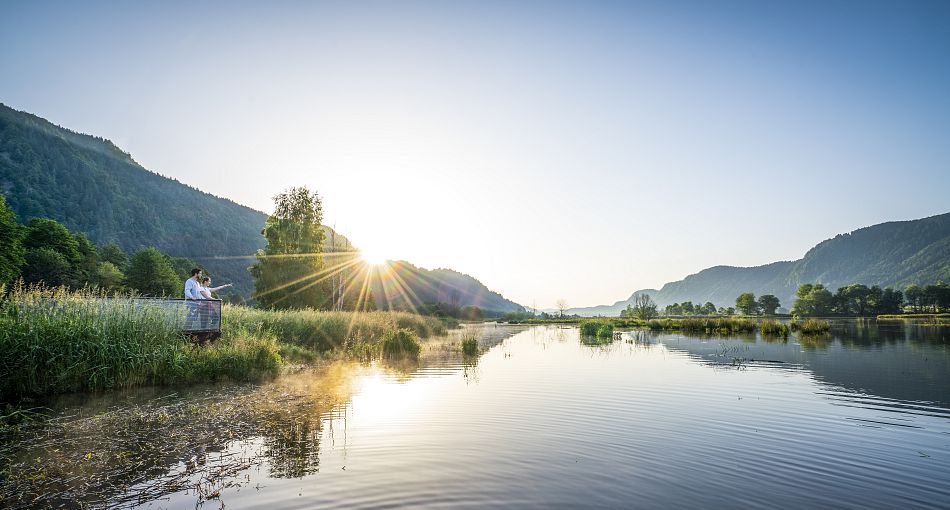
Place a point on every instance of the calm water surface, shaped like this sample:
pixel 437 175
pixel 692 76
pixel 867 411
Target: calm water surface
pixel 543 418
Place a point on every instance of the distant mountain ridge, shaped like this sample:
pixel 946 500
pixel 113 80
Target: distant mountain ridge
pixel 893 254
pixel 94 187
pixel 436 286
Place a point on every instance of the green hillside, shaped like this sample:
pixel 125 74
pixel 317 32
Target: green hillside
pixel 93 187
pixel 893 254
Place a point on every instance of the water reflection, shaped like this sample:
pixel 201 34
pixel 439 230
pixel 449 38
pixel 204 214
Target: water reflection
pixel 542 418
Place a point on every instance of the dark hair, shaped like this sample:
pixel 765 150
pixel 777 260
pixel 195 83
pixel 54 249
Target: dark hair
pixel 206 279
pixel 195 271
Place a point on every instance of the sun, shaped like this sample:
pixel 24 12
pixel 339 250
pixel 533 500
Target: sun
pixel 372 258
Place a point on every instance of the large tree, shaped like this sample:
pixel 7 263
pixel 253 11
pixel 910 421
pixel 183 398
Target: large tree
pixel 151 274
pixel 11 245
pixel 768 304
pixel 288 272
pixel 643 307
pixel 746 304
pixel 812 300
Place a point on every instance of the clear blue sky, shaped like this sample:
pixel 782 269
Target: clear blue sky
pixel 553 150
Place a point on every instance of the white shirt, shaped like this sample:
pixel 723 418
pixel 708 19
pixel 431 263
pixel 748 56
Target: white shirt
pixel 204 292
pixel 192 289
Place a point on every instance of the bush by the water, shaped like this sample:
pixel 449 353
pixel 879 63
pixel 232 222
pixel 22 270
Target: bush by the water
pixel 721 325
pixel 470 345
pixel 598 328
pixel 772 327
pixel 811 326
pixel 401 343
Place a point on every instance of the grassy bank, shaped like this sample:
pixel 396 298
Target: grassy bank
pixel 704 325
pixel 52 341
pixel 810 326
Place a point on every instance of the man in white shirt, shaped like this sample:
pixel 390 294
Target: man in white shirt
pixel 193 292
pixel 193 285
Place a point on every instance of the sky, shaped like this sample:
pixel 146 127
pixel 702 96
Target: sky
pixel 553 150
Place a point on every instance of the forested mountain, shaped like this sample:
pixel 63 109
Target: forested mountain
pixel 893 254
pixel 416 286
pixel 92 186
pixel 95 188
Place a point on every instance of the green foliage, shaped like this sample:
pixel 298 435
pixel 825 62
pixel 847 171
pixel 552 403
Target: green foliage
pixel 768 304
pixel 401 343
pixel 109 277
pixel 688 308
pixel 810 326
pixel 11 245
pixel 853 300
pixel 288 271
pixel 746 304
pixel 717 325
pixel 812 300
pixel 92 186
pixel 53 341
pixel 151 274
pixel 643 308
pixel 470 345
pixel 113 254
pixel 49 267
pixel 320 331
pixel 53 235
pixel 603 328
pixel 771 327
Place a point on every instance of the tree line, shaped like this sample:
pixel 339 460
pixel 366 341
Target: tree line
pixel 860 300
pixel 43 251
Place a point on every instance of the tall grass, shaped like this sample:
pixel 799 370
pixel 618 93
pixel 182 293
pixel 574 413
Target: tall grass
pixel 770 327
pixel 53 341
pixel 811 326
pixel 470 345
pixel 322 331
pixel 401 343
pixel 704 325
pixel 602 328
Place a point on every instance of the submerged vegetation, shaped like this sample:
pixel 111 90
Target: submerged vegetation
pixel 57 341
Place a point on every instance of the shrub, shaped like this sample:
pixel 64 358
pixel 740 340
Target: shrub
pixel 773 328
pixel 400 343
pixel 470 345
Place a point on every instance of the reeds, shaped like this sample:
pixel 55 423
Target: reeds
pixel 56 341
pixel 811 326
pixel 770 327
pixel 601 328
pixel 323 331
pixel 470 345
pixel 401 343
pixel 709 325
